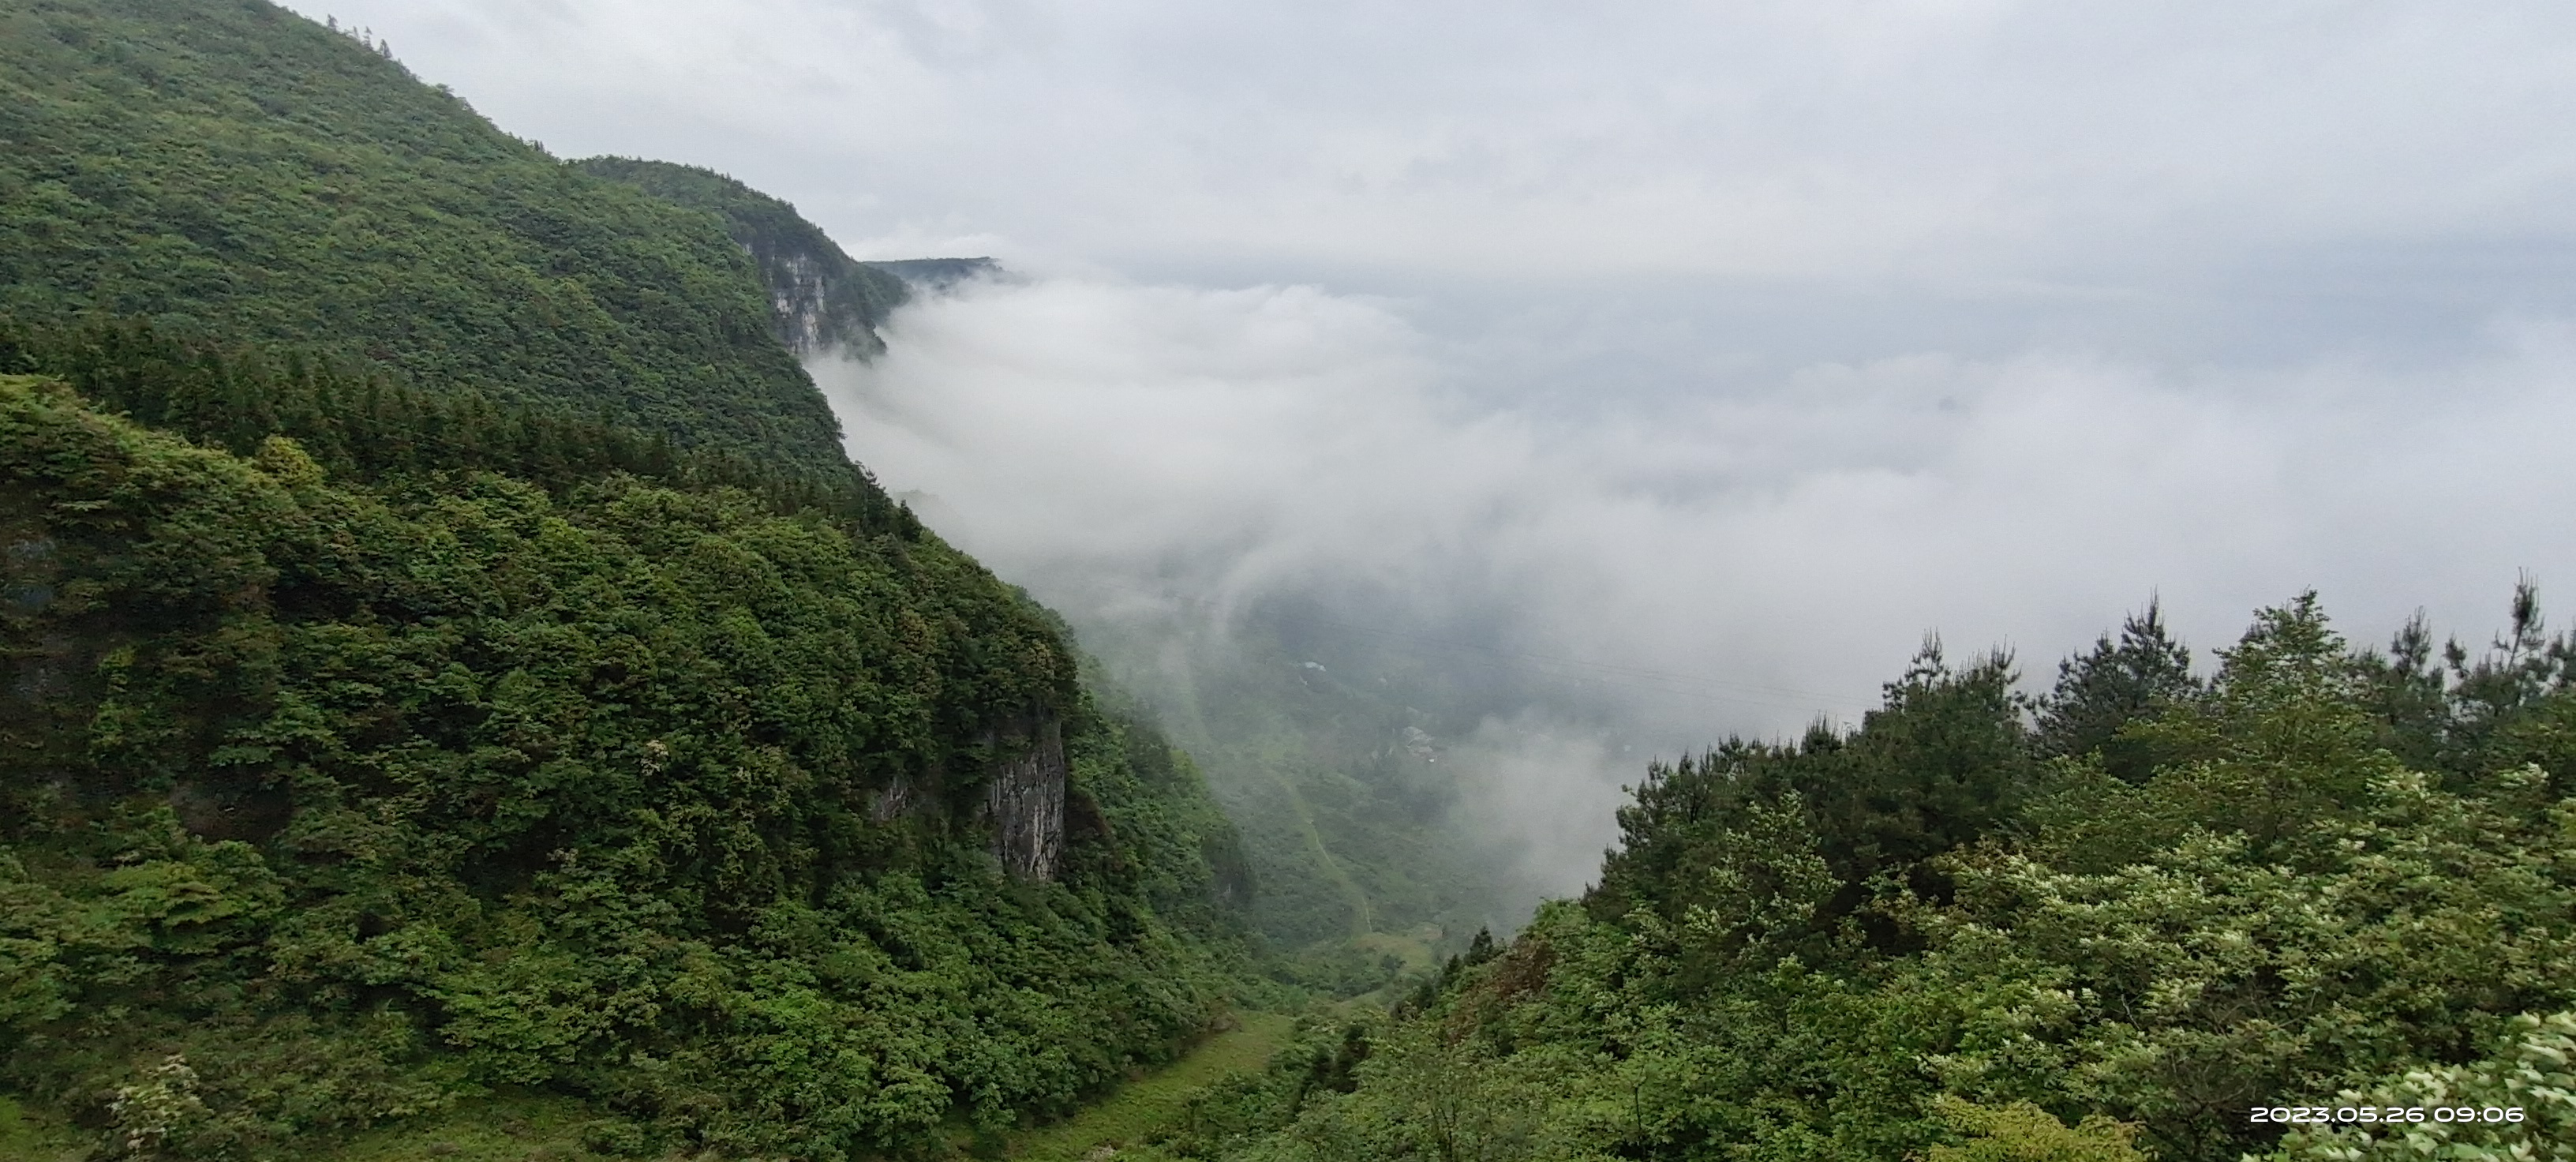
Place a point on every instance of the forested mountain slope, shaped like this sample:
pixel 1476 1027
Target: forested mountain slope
pixel 228 168
pixel 360 797
pixel 1334 782
pixel 411 698
pixel 446 662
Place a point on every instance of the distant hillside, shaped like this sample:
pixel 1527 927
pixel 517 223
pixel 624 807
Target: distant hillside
pixel 1332 751
pixel 939 273
pixel 819 298
pixel 231 169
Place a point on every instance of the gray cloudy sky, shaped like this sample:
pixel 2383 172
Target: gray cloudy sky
pixel 1745 340
pixel 1942 148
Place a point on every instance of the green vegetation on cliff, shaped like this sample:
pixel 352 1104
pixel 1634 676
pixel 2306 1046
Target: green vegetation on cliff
pixel 329 802
pixel 229 169
pixel 819 298
pixel 355 419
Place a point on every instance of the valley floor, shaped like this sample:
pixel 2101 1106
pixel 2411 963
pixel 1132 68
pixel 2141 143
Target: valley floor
pixel 1119 1126
pixel 531 1129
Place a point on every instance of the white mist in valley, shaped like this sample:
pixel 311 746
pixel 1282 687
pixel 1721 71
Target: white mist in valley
pixel 1741 346
pixel 1673 562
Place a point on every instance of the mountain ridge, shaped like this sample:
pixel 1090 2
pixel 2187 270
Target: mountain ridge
pixel 231 169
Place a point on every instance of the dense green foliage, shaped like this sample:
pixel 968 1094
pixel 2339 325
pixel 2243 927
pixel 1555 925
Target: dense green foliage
pixel 359 423
pixel 327 803
pixel 819 297
pixel 227 168
pixel 1941 936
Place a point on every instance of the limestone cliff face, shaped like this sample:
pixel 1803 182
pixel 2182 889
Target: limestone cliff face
pixel 800 299
pixel 1025 800
pixel 821 300
pixel 1024 809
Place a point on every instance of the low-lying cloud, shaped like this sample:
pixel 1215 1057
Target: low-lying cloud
pixel 1709 559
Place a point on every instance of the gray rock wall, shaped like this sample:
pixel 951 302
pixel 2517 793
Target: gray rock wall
pixel 1025 801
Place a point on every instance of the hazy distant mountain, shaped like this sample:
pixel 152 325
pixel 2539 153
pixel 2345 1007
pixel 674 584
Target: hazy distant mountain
pixel 940 273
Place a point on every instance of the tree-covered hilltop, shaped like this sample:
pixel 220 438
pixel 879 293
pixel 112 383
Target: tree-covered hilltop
pixel 328 800
pixel 820 299
pixel 226 168
pixel 355 418
pixel 2125 920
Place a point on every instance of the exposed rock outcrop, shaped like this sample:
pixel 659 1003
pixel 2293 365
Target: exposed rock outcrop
pixel 892 802
pixel 820 299
pixel 1025 800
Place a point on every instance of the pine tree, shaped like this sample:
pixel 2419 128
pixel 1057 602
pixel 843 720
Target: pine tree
pixel 2099 692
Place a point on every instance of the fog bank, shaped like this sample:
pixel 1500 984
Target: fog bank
pixel 1674 564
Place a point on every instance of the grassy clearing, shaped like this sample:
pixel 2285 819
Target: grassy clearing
pixel 1414 948
pixel 1138 1108
pixel 26 1137
pixel 546 1129
pixel 496 1129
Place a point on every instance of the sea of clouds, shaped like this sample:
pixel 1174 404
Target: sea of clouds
pixel 1745 554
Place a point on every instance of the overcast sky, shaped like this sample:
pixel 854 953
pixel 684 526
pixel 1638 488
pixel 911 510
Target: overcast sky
pixel 1747 340
pixel 2130 154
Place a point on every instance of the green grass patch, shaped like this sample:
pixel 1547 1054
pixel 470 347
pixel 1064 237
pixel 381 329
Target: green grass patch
pixel 1414 948
pixel 495 1129
pixel 1156 1101
pixel 26 1136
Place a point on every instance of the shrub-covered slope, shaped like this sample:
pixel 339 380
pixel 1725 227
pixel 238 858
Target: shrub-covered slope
pixel 330 801
pixel 2130 925
pixel 229 168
